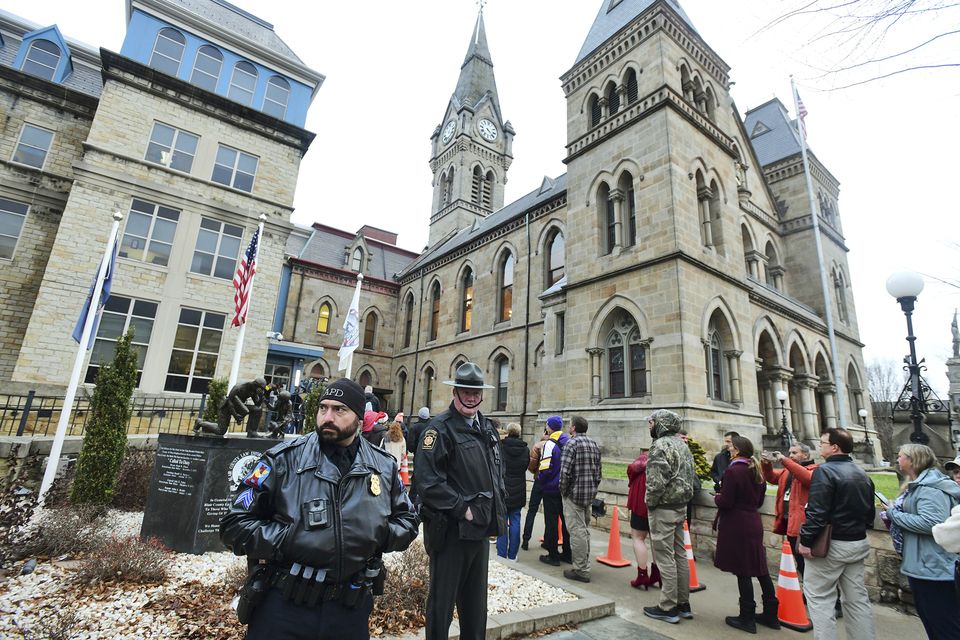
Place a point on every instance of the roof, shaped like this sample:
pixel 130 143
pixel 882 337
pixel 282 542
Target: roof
pixel 614 15
pixel 550 189
pixel 326 247
pixel 772 133
pixel 476 73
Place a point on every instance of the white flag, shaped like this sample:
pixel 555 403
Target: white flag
pixel 351 330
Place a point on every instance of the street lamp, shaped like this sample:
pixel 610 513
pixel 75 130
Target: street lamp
pixel 784 432
pixel 863 423
pixel 905 287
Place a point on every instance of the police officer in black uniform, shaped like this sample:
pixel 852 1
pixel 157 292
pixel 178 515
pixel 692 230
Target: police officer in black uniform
pixel 459 478
pixel 313 518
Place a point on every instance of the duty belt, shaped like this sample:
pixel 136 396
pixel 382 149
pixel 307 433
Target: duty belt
pixel 307 586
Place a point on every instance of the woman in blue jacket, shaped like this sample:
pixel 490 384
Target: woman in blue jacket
pixel 928 498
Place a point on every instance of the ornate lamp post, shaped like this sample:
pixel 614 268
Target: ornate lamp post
pixel 905 287
pixel 863 423
pixel 785 436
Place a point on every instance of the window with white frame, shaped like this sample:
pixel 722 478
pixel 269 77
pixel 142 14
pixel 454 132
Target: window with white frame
pixel 42 59
pixel 235 168
pixel 206 68
pixel 506 288
pixel 12 215
pixel 196 345
pixel 556 258
pixel 466 300
pixel 276 97
pixel 168 51
pixel 370 331
pixel 218 245
pixel 33 146
pixel 715 373
pixel 149 233
pixel 503 378
pixel 172 147
pixel 119 315
pixel 428 376
pixel 356 261
pixel 243 83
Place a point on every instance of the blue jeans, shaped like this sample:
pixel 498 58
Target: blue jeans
pixel 513 531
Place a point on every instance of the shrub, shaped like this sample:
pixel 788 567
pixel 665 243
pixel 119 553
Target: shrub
pixel 16 508
pixel 106 435
pixel 66 531
pixel 216 393
pixel 133 480
pixel 126 559
pixel 403 605
pixel 61 624
pixel 310 403
pixel 235 576
pixel 700 464
pixel 58 495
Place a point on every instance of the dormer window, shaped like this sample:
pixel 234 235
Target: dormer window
pixel 42 60
pixel 168 51
pixel 243 83
pixel 206 70
pixel 275 99
pixel 356 262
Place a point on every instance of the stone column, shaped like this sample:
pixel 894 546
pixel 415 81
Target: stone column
pixel 596 371
pixel 806 388
pixel 703 203
pixel 829 406
pixel 733 368
pixel 618 196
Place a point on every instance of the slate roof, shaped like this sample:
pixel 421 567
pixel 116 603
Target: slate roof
pixel 772 133
pixel 325 246
pixel 614 15
pixel 85 76
pixel 550 189
pixel 476 73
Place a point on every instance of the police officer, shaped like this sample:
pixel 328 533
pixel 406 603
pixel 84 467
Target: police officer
pixel 313 518
pixel 459 478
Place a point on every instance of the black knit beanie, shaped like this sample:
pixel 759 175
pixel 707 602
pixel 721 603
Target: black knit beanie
pixel 349 393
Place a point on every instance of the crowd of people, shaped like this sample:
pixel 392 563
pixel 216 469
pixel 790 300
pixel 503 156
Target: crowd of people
pixel 314 540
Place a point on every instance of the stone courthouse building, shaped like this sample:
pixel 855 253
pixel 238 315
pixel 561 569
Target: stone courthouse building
pixel 672 266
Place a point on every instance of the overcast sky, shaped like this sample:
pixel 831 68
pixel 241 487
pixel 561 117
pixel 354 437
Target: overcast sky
pixel 391 67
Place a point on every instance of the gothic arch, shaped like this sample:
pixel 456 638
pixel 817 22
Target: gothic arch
pixel 603 177
pixel 595 336
pixel 497 353
pixel 553 224
pixel 324 368
pixel 334 312
pixel 374 378
pixel 798 354
pixel 718 304
pixel 429 288
pixel 458 359
pixel 625 69
pixel 747 235
pixel 402 369
pixel 498 256
pixel 822 364
pixel 765 326
pixel 408 291
pixel 467 263
pixel 628 165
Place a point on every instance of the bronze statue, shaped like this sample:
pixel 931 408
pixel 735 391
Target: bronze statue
pixel 282 415
pixel 235 406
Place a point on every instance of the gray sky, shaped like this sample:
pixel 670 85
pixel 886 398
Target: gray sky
pixel 391 68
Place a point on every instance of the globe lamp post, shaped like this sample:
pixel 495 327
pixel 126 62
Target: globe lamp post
pixel 905 287
pixel 784 432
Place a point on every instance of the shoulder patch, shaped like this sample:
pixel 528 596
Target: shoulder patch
pixel 259 474
pixel 429 439
pixel 245 499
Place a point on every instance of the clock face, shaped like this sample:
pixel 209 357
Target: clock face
pixel 448 131
pixel 488 130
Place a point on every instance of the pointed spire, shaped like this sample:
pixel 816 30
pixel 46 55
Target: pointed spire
pixel 476 74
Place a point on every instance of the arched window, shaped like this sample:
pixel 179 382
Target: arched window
pixel 686 86
pixel 356 260
pixel 704 196
pixel 466 300
pixel 428 376
pixel 370 331
pixel 774 270
pixel 556 258
pixel 506 288
pixel 626 353
pixel 629 209
pixel 447 196
pixel 168 51
pixel 715 373
pixel 721 362
pixel 243 83
pixel 710 104
pixel 42 59
pixel 364 379
pixel 632 88
pixel 276 97
pixel 482 187
pixel 596 110
pixel 323 319
pixel 503 375
pixel 613 99
pixel 608 218
pixel 402 389
pixel 408 323
pixel 206 68
pixel 435 311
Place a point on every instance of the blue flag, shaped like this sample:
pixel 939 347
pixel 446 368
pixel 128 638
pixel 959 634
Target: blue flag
pixel 104 295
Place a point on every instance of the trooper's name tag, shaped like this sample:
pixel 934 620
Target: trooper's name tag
pixel 374 484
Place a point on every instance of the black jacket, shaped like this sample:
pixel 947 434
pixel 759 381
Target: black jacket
pixel 516 456
pixel 841 494
pixel 720 463
pixel 457 466
pixel 355 518
pixel 415 430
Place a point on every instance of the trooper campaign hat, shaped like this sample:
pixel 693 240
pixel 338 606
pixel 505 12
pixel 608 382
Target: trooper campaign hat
pixel 469 376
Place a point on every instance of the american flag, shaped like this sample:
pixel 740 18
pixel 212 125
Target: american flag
pixel 802 114
pixel 242 280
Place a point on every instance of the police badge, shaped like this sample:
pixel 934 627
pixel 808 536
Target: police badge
pixel 374 484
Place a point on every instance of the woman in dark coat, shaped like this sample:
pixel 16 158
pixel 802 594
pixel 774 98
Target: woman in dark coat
pixel 640 524
pixel 516 456
pixel 740 537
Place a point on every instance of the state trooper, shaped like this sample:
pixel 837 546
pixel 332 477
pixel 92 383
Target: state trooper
pixel 313 518
pixel 459 479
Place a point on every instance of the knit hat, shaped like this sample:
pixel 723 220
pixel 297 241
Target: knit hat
pixel 555 423
pixel 348 392
pixel 424 413
pixel 399 417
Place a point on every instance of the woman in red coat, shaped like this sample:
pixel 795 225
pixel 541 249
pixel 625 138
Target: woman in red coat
pixel 740 536
pixel 639 524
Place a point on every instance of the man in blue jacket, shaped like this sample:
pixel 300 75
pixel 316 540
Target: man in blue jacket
pixel 549 478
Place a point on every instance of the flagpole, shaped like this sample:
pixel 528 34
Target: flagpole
pixel 53 462
pixel 235 367
pixel 814 214
pixel 355 310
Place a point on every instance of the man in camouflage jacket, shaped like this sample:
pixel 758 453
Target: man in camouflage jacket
pixel 670 486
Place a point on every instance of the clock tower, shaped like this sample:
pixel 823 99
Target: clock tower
pixel 471 147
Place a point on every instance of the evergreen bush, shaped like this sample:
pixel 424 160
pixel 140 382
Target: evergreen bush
pixel 700 464
pixel 216 392
pixel 310 403
pixel 106 435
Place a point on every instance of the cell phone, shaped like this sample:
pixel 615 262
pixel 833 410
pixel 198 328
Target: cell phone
pixel 883 499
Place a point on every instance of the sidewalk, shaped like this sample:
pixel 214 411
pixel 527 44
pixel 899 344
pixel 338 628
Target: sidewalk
pixel 709 606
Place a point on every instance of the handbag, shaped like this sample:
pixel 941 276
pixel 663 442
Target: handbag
pixel 821 544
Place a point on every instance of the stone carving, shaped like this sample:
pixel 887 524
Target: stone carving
pixel 236 406
pixel 956 336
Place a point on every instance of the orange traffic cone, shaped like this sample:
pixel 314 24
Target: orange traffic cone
pixel 404 473
pixel 559 531
pixel 614 558
pixel 792 613
pixel 694 582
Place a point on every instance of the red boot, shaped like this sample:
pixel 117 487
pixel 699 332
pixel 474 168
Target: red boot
pixel 655 575
pixel 642 581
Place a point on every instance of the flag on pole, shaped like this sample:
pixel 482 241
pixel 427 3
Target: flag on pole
pixel 351 330
pixel 242 281
pixel 104 295
pixel 801 114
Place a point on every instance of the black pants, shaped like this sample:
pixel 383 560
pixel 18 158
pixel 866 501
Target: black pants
pixel 278 619
pixel 458 576
pixel 937 606
pixel 553 509
pixel 796 556
pixel 745 585
pixel 535 497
